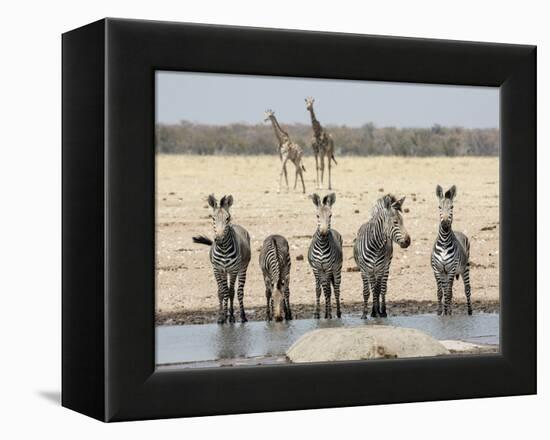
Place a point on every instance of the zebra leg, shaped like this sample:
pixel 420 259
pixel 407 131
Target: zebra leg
pixel 336 280
pixel 467 289
pixel 232 279
pixel 268 313
pixel 383 289
pixel 376 300
pixel 328 305
pixel 317 313
pixel 366 294
pixel 221 280
pixel 439 295
pixel 240 294
pixel 448 292
pixel 288 310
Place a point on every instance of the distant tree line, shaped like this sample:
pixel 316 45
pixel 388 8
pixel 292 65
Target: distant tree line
pixel 190 138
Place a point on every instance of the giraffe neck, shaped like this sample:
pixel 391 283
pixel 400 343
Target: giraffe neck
pixel 315 123
pixel 282 136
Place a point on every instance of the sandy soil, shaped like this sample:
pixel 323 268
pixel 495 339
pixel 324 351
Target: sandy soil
pixel 186 289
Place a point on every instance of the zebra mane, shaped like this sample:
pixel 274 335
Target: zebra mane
pixel 379 205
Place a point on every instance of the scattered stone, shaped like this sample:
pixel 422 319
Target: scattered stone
pixel 171 193
pixel 381 189
pixel 356 211
pixel 266 192
pixel 414 199
pixel 365 342
pixel 299 257
pixel 406 210
pixel 352 269
pixel 488 228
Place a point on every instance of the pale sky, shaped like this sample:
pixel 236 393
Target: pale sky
pixel 222 99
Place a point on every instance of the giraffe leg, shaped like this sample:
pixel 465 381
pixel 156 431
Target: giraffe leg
pixel 286 175
pixel 283 171
pixel 317 170
pixel 296 178
pixel 329 172
pixel 322 170
pixel 302 178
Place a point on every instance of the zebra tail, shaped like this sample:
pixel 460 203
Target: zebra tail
pixel 303 167
pixel 201 239
pixel 457 275
pixel 332 157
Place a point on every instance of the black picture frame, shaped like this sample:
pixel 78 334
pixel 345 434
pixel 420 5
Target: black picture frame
pixel 108 219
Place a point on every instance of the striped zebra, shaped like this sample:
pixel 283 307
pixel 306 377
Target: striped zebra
pixel 229 255
pixel 373 251
pixel 450 255
pixel 325 256
pixel 275 265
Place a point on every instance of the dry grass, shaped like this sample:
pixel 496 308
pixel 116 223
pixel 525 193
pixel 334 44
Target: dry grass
pixel 184 275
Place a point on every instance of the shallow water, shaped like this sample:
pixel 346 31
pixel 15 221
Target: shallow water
pixel 211 342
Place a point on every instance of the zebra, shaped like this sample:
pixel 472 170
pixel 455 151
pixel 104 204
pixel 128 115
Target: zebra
pixel 325 256
pixel 450 254
pixel 229 255
pixel 373 250
pixel 275 265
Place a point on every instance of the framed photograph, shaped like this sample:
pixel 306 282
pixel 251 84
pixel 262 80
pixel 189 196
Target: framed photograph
pixel 324 219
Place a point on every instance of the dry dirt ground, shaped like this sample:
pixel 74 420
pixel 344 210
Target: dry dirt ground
pixel 186 289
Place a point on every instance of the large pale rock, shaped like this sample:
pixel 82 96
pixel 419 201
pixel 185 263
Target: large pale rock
pixel 461 347
pixel 365 342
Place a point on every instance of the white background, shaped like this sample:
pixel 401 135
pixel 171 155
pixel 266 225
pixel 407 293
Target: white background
pixel 30 216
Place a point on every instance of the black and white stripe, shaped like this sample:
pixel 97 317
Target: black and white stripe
pixel 450 255
pixel 325 256
pixel 275 265
pixel 373 251
pixel 229 255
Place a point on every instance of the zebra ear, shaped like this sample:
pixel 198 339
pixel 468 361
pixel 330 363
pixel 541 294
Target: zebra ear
pixel 397 205
pixel 451 193
pixel 329 199
pixel 212 201
pixel 439 192
pixel 226 202
pixel 387 201
pixel 316 199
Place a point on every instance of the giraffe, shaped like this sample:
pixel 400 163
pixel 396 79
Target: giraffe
pixel 322 144
pixel 288 150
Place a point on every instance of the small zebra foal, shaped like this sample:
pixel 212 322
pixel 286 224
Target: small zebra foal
pixel 373 251
pixel 450 255
pixel 325 256
pixel 229 255
pixel 275 264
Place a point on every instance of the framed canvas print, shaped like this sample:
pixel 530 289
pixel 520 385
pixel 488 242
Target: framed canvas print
pixel 324 219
